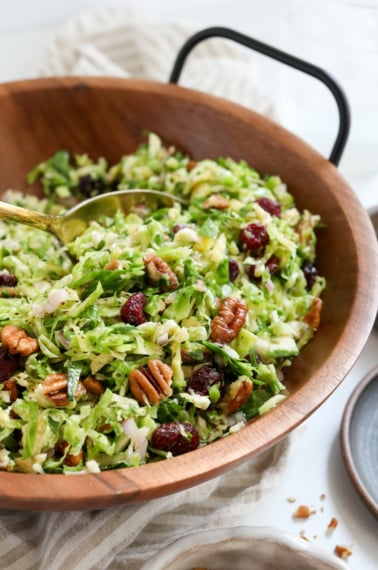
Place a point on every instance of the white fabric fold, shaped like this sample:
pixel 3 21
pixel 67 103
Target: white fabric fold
pixel 120 43
pixel 124 537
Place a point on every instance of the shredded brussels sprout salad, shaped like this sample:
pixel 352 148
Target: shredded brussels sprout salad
pixel 154 332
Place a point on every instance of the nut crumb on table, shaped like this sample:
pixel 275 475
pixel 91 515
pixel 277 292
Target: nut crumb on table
pixel 343 552
pixel 302 534
pixel 333 523
pixel 303 512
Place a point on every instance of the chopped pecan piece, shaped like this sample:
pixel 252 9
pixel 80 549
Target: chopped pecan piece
pixel 113 265
pixel 191 164
pixel 333 523
pixel 73 460
pixel 304 229
pixel 151 384
pixel 230 320
pixel 302 512
pixel 7 292
pixel 12 388
pixel 343 552
pixel 312 317
pixel 69 459
pixel 93 386
pixel 55 388
pixel 237 394
pixel 216 201
pixel 17 341
pixel 197 358
pixel 159 272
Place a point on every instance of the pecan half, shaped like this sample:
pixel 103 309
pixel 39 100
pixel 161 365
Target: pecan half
pixel 312 317
pixel 159 272
pixel 237 393
pixel 55 388
pixel 17 341
pixel 230 320
pixel 216 201
pixel 149 385
pixel 93 386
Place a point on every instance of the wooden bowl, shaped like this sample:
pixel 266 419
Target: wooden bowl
pixel 108 117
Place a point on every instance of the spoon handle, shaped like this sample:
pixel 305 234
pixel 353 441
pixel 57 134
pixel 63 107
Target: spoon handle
pixel 11 213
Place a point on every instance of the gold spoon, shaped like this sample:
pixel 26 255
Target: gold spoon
pixel 73 222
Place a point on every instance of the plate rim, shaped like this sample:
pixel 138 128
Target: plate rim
pixel 346 448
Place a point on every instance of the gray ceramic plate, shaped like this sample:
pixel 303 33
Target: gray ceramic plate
pixel 359 439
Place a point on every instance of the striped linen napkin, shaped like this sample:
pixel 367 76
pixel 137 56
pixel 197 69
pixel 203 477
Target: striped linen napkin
pixel 119 43
pixel 124 537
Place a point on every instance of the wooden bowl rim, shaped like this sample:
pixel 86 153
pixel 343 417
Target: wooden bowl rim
pixel 124 486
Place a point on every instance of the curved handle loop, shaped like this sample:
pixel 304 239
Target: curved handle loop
pixel 283 57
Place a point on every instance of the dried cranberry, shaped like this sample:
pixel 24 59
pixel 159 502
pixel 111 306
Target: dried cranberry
pixel 132 311
pixel 205 377
pixel 254 237
pixel 272 266
pixel 270 206
pixel 178 227
pixel 252 273
pixel 256 357
pixel 60 449
pixel 88 186
pixel 8 364
pixel 175 437
pixel 310 272
pixel 8 280
pixel 233 269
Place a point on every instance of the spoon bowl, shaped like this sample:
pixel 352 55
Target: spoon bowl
pixel 72 223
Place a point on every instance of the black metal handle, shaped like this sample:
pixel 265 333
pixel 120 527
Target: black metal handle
pixel 283 57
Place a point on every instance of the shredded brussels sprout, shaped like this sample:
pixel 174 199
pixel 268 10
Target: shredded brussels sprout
pixel 150 322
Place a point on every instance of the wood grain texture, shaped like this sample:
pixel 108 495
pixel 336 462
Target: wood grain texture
pixel 108 117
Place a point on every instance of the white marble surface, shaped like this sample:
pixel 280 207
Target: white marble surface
pixel 316 468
